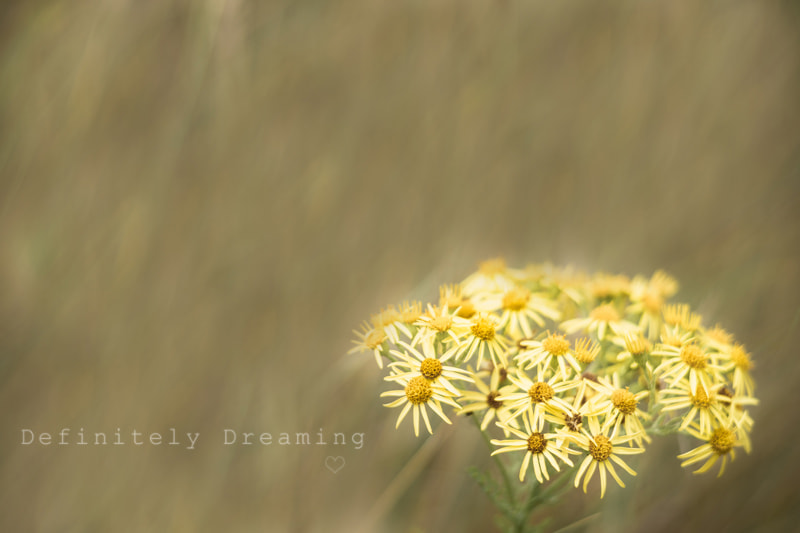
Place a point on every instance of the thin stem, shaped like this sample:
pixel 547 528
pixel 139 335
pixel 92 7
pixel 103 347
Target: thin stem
pixel 525 511
pixel 500 465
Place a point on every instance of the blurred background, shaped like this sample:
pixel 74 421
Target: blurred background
pixel 199 200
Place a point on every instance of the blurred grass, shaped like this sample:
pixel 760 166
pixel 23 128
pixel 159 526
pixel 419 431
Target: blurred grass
pixel 199 201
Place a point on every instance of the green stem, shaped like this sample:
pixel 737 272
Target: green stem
pixel 500 465
pixel 525 510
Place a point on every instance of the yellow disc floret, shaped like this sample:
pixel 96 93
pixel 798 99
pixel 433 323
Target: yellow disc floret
pixel 537 443
pixel 556 344
pixel 483 328
pixel 418 390
pixel 516 299
pixel 431 368
pixel 441 322
pixel 722 441
pixel 540 392
pixel 740 357
pixel 701 399
pixel 624 400
pixel 693 356
pixel 601 448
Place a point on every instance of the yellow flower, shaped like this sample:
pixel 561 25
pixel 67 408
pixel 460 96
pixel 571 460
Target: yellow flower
pixel 581 409
pixel 371 339
pixel 619 408
pixel 539 397
pixel 440 322
pixel 606 287
pixel 740 363
pixel 636 349
pixel 717 338
pixel 719 444
pixel 541 353
pixel 492 276
pixel 519 307
pixel 419 394
pixel 568 283
pixel 600 319
pixel 486 397
pixel 391 322
pixel 681 316
pixel 709 406
pixel 647 300
pixel 739 417
pixel 483 337
pixel 428 366
pixel 602 453
pixel 451 296
pixel 688 359
pixel 540 449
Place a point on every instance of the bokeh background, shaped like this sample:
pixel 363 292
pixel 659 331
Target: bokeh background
pixel 199 200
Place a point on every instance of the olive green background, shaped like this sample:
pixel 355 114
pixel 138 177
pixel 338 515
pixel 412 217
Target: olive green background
pixel 200 200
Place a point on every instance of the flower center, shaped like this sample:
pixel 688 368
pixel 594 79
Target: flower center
pixel 540 392
pixel 374 338
pixel 537 443
pixel 722 441
pixel 604 313
pixel 483 328
pixel 516 299
pixel 491 400
pixel 418 390
pixel 693 356
pixel 701 399
pixel 431 368
pixel 601 448
pixel 624 401
pixel 441 322
pixel 573 422
pixel 740 357
pixel 556 344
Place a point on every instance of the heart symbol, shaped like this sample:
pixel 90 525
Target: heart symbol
pixel 334 464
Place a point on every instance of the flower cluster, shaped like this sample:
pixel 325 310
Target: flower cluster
pixel 575 370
